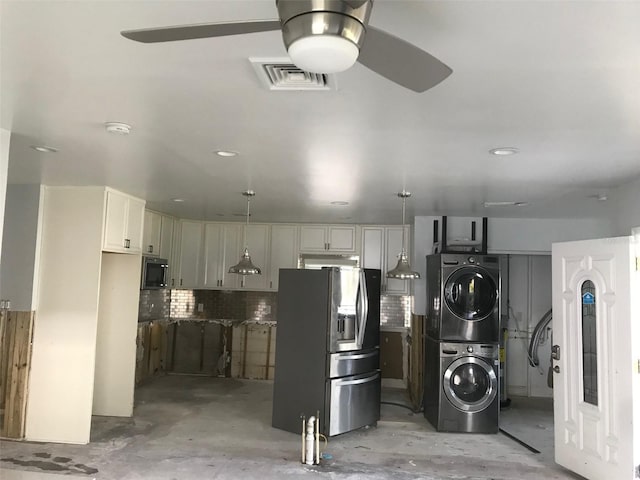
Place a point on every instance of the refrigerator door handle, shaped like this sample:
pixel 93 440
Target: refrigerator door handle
pixel 357 381
pixel 357 356
pixel 364 309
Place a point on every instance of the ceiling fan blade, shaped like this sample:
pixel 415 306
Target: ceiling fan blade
pixel 199 30
pixel 400 61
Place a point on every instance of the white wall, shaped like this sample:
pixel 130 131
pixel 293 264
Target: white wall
pixel 535 235
pixel 5 137
pixel 506 235
pixel 64 340
pixel 116 339
pixel 626 204
pixel 20 246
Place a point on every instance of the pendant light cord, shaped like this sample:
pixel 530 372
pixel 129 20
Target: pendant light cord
pixel 246 227
pixel 404 200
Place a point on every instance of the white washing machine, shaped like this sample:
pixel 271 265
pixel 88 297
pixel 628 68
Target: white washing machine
pixel 463 297
pixel 462 395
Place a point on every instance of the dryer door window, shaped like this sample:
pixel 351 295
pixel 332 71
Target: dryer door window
pixel 470 384
pixel 470 293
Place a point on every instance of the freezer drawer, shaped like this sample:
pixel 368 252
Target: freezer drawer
pixel 354 402
pixel 353 363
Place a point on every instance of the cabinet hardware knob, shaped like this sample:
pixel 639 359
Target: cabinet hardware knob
pixel 556 369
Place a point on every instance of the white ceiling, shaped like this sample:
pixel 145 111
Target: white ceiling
pixel 559 80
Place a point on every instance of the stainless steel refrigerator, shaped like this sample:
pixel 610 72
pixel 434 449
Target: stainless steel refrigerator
pixel 327 349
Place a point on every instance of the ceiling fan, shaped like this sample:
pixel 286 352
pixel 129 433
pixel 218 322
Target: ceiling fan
pixel 324 36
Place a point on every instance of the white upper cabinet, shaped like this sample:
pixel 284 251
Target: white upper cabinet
pixel 328 238
pixel 124 221
pixel 151 234
pixel 188 271
pixel 166 236
pixel 283 252
pixel 381 246
pixel 158 234
pixel 221 251
pixel 258 242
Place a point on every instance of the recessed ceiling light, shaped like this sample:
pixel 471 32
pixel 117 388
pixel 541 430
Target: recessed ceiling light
pixel 44 149
pixel 118 127
pixel 504 151
pixel 177 200
pixel 340 203
pixel 505 204
pixel 226 153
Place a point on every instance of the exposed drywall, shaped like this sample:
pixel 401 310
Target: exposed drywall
pixel 19 241
pixel 626 202
pixel 64 339
pixel 5 137
pixel 116 338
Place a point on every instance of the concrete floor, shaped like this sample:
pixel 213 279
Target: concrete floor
pixel 219 428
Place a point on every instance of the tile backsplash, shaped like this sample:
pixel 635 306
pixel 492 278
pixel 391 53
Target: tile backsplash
pixel 224 304
pixel 395 311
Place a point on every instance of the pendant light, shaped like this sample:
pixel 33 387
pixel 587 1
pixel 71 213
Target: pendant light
pixel 403 269
pixel 245 266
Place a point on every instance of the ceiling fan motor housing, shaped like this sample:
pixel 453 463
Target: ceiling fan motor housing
pixel 304 18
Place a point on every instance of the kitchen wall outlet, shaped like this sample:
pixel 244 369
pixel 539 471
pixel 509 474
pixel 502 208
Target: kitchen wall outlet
pixel 201 307
pixel 267 309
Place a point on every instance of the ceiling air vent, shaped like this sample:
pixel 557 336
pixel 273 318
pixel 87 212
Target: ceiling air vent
pixel 281 74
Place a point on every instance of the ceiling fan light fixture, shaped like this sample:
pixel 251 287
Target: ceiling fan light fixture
pixel 323 53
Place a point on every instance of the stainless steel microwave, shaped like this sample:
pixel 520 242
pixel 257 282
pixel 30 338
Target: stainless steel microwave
pixel 155 272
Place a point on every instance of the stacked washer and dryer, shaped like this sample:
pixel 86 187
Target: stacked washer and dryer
pixel 461 391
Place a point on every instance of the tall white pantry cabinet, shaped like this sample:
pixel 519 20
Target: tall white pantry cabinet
pixel 83 359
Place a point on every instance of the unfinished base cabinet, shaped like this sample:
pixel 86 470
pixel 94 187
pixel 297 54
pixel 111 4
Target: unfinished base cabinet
pixel 199 348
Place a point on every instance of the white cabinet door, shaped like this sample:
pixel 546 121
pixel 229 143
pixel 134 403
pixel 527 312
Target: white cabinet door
pixel 258 242
pixel 230 255
pixel 166 236
pixel 284 253
pixel 212 247
pixel 393 247
pixel 596 357
pixel 341 238
pixel 380 249
pixel 328 238
pixel 190 255
pixel 151 233
pixel 135 224
pixel 221 251
pixel 373 249
pixel 313 238
pixel 115 222
pixel 124 222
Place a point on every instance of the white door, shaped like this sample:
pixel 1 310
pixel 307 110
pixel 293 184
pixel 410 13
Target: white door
pixel 596 294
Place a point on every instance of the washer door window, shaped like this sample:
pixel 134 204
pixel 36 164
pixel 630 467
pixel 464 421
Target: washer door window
pixel 470 384
pixel 470 293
